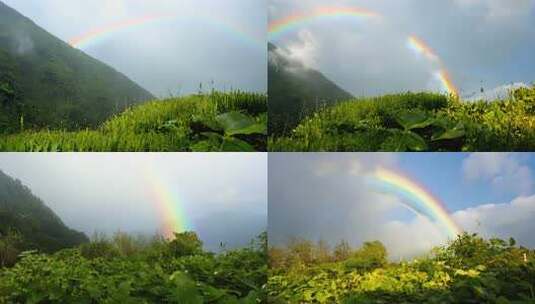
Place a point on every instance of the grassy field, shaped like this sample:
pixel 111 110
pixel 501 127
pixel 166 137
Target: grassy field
pixel 468 270
pixel 417 122
pixel 125 269
pixel 213 122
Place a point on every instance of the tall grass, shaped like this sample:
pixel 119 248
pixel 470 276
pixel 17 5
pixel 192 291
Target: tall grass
pixel 417 122
pixel 168 125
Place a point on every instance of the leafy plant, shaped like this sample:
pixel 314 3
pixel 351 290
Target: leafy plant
pixel 417 122
pixel 234 121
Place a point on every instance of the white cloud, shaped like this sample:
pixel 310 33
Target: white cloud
pixel 513 219
pixel 500 92
pixel 505 171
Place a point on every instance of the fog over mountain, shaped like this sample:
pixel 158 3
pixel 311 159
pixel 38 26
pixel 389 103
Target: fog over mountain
pixel 198 41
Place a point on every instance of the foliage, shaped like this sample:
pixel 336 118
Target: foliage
pixel 296 91
pixel 150 274
pixel 469 269
pixel 417 122
pixel 53 85
pixel 27 223
pixel 233 121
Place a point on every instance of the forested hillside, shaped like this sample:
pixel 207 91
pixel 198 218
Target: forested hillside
pixel 44 82
pixel 27 223
pixel 296 91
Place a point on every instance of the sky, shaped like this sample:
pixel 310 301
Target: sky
pixel 481 43
pixel 327 196
pixel 222 196
pixel 201 41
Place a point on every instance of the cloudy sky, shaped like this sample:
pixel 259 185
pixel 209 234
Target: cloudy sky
pixel 485 43
pixel 223 196
pixel 326 196
pixel 204 40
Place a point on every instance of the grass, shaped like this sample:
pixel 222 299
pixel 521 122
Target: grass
pixel 234 121
pixel 417 122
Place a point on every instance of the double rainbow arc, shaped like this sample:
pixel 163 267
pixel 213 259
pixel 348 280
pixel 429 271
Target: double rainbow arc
pixel 415 197
pixel 290 23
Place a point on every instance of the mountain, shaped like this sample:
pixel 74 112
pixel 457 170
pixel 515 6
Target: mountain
pixel 499 93
pixel 296 91
pixel 37 225
pixel 44 82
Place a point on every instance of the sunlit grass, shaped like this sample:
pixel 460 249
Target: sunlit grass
pixel 417 122
pixel 176 124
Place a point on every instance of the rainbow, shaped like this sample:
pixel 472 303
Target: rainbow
pixel 291 22
pixel 420 47
pixel 417 45
pixel 415 197
pixel 167 205
pixel 444 77
pixel 97 35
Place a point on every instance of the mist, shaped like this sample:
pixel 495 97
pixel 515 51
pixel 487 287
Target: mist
pixel 220 45
pixel 223 196
pixel 482 43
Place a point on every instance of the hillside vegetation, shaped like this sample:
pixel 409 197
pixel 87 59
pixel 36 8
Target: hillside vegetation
pixel 47 83
pixel 206 122
pixel 296 91
pixel 125 269
pixel 470 269
pixel 27 223
pixel 417 122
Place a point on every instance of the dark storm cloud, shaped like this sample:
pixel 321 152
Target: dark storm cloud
pixel 481 42
pixel 168 56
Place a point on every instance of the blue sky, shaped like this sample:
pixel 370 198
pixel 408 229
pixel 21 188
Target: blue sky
pixel 443 174
pixel 324 196
pixel 483 43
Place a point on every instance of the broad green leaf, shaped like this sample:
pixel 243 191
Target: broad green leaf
pixel 237 123
pixel 456 132
pixel 231 144
pixel 414 120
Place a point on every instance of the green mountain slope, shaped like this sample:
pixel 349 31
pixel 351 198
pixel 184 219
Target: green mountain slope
pixel 36 225
pixel 48 83
pixel 296 91
pixel 201 123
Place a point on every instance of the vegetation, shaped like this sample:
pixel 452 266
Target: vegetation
pixel 26 223
pixel 417 122
pixel 469 269
pixel 206 122
pixel 44 82
pixel 125 269
pixel 296 91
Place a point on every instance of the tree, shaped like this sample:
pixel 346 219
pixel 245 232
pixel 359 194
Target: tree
pixel 322 252
pixel 372 255
pixel 342 251
pixel 185 243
